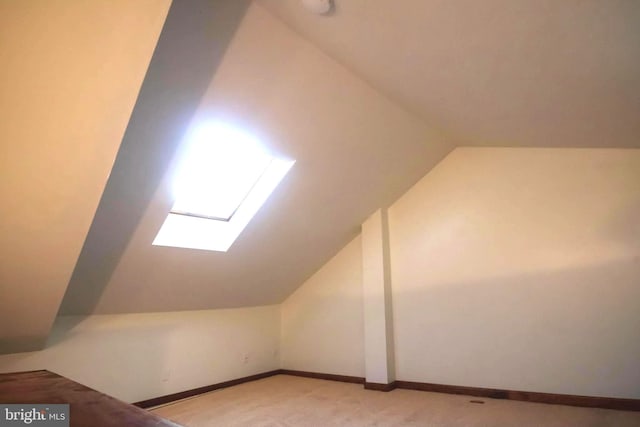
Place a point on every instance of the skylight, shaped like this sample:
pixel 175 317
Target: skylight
pixel 223 178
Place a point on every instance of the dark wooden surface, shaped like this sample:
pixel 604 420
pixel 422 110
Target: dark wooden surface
pixel 89 408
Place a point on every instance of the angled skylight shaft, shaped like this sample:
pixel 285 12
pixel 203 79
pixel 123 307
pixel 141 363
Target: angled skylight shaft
pixel 222 180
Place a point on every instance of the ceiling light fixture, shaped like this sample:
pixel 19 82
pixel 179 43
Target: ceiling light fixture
pixel 319 7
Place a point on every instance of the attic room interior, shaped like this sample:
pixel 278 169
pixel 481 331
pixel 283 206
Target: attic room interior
pixel 314 212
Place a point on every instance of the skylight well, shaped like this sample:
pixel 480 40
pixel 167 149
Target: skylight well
pixel 223 178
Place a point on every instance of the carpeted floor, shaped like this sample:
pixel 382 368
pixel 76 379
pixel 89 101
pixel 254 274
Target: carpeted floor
pixel 284 400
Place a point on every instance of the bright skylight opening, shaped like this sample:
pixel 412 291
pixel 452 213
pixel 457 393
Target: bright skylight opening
pixel 223 178
pixel 217 173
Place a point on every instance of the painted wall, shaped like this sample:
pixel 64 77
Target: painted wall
pixel 139 356
pixel 520 269
pixel 70 75
pixel 512 268
pixel 322 321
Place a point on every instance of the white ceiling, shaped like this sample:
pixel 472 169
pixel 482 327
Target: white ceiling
pixel 357 108
pixel 354 149
pixel 69 78
pixel 494 72
pixel 366 100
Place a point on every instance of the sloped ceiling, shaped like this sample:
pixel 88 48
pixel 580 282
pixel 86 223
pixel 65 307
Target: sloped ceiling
pixel 354 150
pixel 69 78
pixel 494 72
pixel 366 100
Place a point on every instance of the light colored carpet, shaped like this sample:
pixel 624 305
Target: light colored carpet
pixel 284 400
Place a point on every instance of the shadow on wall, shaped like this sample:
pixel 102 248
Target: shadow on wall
pixel 190 48
pixel 105 353
pixel 140 356
pixel 573 331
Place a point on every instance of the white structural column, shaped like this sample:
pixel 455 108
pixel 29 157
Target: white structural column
pixel 378 319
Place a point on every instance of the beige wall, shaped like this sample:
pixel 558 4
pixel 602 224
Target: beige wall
pixel 322 321
pixel 70 75
pixel 140 356
pixel 512 268
pixel 520 269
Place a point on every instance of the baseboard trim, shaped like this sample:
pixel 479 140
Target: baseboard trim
pixel 162 400
pixel 527 396
pixel 321 376
pixel 380 386
pixel 491 393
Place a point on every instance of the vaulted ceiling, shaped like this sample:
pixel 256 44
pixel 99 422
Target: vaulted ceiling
pixel 494 72
pixel 70 75
pixel 354 149
pixel 366 99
